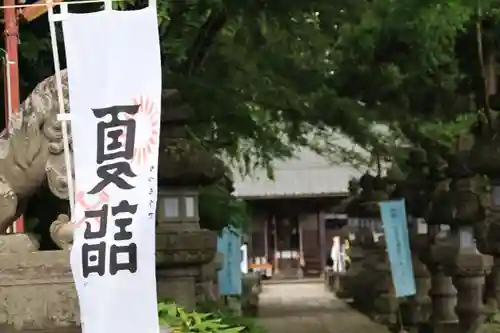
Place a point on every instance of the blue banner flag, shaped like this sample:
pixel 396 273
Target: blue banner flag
pixel 229 244
pixel 393 215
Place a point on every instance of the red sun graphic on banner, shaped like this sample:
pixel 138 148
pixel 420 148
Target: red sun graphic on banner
pixel 146 131
pixel 94 203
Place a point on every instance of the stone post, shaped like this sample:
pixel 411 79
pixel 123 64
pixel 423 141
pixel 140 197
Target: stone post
pixel 419 306
pixel 385 305
pixel 347 232
pixel 440 250
pixel 356 255
pixel 363 277
pixel 206 281
pixel 378 293
pixel 484 159
pixel 469 270
pixel 182 247
pixel 415 190
pixel 443 293
pixel 468 267
pixel 488 239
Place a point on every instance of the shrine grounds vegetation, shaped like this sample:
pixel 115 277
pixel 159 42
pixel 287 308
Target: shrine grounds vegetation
pixel 217 320
pixel 265 77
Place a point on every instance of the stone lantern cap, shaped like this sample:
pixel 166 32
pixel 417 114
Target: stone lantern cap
pixel 415 187
pixel 183 161
pixel 484 143
pixel 373 191
pixel 438 168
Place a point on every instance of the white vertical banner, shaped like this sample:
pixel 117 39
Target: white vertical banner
pixel 114 76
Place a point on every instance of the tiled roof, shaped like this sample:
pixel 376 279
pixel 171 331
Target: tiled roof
pixel 307 174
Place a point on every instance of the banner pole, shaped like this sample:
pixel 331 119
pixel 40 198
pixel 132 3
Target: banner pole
pixel 9 94
pixel 62 112
pixel 108 4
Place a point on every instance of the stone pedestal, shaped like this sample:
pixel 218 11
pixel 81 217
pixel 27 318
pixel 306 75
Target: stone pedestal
pixel 443 293
pixel 206 286
pixel 418 307
pixel 493 286
pixel 385 304
pixel 180 256
pixel 37 291
pixel 444 300
pixel 362 284
pixel 469 273
pixel 348 282
pixel 177 284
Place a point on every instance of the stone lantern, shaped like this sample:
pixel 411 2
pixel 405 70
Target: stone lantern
pixel 335 281
pixel 440 251
pixel 184 252
pixel 178 207
pixel 352 220
pixel 484 159
pixel 489 242
pixel 414 189
pixel 467 266
pixel 356 255
pixel 375 281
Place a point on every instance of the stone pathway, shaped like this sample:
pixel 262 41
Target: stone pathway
pixel 309 308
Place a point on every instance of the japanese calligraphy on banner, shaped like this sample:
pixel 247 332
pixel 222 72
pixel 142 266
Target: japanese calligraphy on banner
pixel 229 244
pixel 393 215
pixel 114 75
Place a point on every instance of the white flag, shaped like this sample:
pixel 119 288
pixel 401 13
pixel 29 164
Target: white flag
pixel 114 75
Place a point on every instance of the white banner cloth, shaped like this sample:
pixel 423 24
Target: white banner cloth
pixel 114 74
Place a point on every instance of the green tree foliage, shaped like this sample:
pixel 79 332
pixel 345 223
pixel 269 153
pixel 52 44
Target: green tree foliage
pixel 257 73
pixel 218 208
pixel 262 74
pixel 266 76
pixel 422 66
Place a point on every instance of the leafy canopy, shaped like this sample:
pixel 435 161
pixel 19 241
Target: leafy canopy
pixel 262 75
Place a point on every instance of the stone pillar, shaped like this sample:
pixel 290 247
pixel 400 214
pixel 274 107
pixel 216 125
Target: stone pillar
pixel 419 306
pixel 177 284
pixel 182 248
pixel 180 257
pixel 363 283
pixel 465 212
pixel 488 239
pixel 356 254
pixel 206 287
pixel 469 269
pixel 494 285
pixel 385 305
pixel 439 215
pixel 366 207
pixel 443 293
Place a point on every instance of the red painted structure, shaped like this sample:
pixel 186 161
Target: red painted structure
pixel 11 31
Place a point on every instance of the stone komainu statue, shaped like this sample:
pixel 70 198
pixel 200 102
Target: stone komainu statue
pixel 33 152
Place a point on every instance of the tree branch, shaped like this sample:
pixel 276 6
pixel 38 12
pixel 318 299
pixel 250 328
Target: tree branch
pixel 206 36
pixel 178 9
